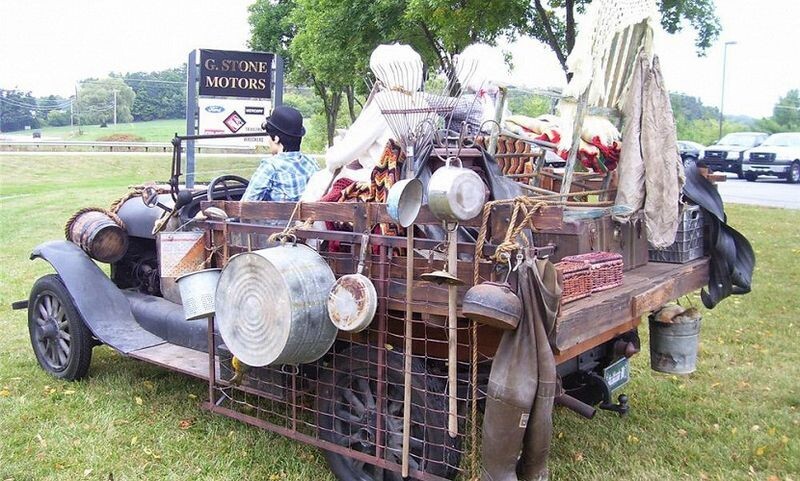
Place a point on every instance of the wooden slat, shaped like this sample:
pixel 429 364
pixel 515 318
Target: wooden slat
pixel 643 290
pixel 175 358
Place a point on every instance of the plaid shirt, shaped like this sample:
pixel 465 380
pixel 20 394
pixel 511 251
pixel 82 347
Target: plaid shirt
pixel 281 177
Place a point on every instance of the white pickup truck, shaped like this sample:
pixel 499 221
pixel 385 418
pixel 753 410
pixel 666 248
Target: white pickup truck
pixel 778 156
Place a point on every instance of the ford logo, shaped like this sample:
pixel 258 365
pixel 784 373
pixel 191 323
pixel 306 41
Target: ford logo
pixel 215 109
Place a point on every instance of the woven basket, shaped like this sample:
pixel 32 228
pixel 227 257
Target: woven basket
pixel 576 280
pixel 605 268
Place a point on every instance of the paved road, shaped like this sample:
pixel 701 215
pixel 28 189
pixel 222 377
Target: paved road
pixel 765 191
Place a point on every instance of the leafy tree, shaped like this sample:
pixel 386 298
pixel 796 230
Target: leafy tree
pixel 530 104
pixel 785 114
pixel 57 118
pixel 158 95
pixel 442 28
pixel 96 101
pixel 17 110
pixel 553 22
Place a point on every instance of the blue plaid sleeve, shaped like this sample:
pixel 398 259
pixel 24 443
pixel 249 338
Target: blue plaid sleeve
pixel 261 182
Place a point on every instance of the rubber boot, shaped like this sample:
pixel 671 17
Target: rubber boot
pixel 503 432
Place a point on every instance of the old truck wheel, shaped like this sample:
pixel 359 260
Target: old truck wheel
pixel 60 340
pixel 347 405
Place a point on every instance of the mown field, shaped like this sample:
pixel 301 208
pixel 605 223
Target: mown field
pixel 152 131
pixel 736 418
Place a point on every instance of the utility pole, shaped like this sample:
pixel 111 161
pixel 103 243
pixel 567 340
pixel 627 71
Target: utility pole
pixel 722 100
pixel 115 106
pixel 71 113
pixel 78 114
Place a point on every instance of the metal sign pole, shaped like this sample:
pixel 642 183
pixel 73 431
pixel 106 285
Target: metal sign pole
pixel 277 98
pixel 191 114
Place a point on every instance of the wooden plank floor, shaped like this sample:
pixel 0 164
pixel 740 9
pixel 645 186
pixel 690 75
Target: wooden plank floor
pixel 176 358
pixel 617 310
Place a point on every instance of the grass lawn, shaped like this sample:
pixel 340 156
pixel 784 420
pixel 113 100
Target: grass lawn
pixel 152 131
pixel 736 418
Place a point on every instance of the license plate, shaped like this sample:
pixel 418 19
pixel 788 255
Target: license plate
pixel 618 374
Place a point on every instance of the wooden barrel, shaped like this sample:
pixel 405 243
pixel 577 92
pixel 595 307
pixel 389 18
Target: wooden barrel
pixel 100 233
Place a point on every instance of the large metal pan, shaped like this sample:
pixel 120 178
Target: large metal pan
pixel 454 193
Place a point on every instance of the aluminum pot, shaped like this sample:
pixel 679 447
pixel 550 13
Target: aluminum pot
pixel 404 201
pixel 455 193
pixel 271 306
pixel 493 304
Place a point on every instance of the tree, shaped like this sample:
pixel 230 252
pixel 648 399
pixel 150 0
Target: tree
pixel 553 22
pixel 158 95
pixel 327 42
pixel 785 115
pixel 17 110
pixel 96 101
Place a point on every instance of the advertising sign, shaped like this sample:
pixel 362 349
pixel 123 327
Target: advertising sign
pixel 233 116
pixel 225 73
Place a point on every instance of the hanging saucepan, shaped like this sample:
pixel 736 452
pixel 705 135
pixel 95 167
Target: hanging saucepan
pixel 404 201
pixel 455 193
pixel 353 300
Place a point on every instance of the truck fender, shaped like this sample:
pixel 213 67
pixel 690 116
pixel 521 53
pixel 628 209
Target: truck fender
pixel 103 307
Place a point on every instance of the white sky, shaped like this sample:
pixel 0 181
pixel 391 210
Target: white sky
pixel 47 45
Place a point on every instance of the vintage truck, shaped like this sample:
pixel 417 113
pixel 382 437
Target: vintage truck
pixel 351 401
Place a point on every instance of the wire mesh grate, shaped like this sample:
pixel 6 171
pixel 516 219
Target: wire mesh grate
pixel 351 401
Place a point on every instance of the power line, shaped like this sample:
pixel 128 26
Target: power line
pixel 134 80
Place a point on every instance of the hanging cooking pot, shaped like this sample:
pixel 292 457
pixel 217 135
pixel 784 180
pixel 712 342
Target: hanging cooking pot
pixel 404 201
pixel 353 300
pixel 455 193
pixel 493 304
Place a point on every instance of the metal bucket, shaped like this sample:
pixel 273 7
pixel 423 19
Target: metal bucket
pixel 197 293
pixel 272 306
pixel 673 346
pixel 99 234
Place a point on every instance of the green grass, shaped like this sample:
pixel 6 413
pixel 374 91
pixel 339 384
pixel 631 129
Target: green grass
pixel 152 131
pixel 736 418
pixel 314 141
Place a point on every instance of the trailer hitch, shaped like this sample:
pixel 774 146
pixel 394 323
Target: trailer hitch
pixel 621 407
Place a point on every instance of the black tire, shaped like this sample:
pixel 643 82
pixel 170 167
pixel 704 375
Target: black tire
pixel 347 416
pixel 688 160
pixel 739 173
pixel 793 176
pixel 61 341
pixel 750 177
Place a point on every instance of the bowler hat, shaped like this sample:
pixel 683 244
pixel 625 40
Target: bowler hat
pixel 287 121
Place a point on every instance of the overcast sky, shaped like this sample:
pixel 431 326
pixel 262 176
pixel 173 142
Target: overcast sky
pixel 47 45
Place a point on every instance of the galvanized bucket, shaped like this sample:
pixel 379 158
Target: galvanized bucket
pixel 673 346
pixel 197 293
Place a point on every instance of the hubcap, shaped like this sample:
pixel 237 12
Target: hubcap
pixel 51 332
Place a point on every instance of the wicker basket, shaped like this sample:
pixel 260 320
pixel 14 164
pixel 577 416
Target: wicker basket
pixel 605 268
pixel 576 281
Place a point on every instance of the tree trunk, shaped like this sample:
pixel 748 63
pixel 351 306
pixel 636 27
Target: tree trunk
pixel 351 102
pixel 331 114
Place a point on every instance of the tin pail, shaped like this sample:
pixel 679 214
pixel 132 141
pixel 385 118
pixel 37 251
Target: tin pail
pixel 674 345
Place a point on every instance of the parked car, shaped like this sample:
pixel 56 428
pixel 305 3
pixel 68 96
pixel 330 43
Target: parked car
pixel 690 151
pixel 778 156
pixel 727 154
